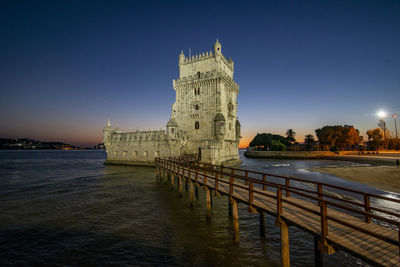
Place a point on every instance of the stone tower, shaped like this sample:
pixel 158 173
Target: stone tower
pixel 206 106
pixel 203 117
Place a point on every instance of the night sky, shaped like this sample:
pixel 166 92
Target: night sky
pixel 66 67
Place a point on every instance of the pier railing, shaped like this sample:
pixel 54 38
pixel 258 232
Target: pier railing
pixel 322 197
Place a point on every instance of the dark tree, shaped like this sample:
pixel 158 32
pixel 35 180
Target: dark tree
pixel 309 141
pixel 290 137
pixel 375 137
pixel 268 141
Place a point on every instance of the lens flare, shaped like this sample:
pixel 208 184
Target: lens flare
pixel 381 114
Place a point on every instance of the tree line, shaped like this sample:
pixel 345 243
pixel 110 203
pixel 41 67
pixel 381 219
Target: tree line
pixel 333 138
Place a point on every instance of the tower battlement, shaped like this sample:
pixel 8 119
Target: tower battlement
pixel 205 61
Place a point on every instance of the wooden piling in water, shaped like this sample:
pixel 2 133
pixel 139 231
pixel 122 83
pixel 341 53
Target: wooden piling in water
pixel 167 178
pixel 262 224
pixel 285 254
pixel 180 186
pixel 191 192
pixel 235 218
pixel 208 203
pixel 318 255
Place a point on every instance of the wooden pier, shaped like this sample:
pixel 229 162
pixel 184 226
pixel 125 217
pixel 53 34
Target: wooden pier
pixel 337 223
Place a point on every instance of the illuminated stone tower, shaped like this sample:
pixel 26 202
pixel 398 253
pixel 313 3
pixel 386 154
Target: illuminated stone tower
pixel 206 106
pixel 203 118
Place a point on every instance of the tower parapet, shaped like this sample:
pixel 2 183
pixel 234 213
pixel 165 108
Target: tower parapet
pixel 205 61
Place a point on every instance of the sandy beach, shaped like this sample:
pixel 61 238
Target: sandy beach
pixel 383 177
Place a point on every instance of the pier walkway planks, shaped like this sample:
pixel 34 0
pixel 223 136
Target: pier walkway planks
pixel 374 243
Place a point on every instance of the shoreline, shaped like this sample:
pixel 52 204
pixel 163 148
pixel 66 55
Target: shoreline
pixel 386 178
pixel 377 159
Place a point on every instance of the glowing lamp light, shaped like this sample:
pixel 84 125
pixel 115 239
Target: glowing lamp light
pixel 381 114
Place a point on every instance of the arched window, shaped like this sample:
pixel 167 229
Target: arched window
pixel 198 91
pixel 196 107
pixel 198 74
pixel 197 125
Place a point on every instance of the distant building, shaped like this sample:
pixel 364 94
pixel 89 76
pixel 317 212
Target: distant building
pixel 203 118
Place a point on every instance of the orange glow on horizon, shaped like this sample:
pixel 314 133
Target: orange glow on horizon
pixel 245 141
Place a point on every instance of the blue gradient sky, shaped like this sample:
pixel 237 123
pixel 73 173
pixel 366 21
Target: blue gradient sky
pixel 66 67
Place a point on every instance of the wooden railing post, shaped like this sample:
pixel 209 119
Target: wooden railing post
pixel 324 221
pixel 251 198
pixel 367 208
pixel 205 176
pixel 231 184
pixel 216 179
pixel 287 183
pixel 230 200
pixel 279 202
pixel 246 175
pixel 264 180
pixel 285 255
pixel 319 193
pixel 323 245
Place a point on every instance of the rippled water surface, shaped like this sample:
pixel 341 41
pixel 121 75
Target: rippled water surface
pixel 67 208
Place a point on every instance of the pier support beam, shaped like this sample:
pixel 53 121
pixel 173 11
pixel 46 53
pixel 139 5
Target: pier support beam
pixel 235 220
pixel 208 203
pixel 172 181
pixel 318 255
pixel 285 255
pixel 180 186
pixel 262 224
pixel 160 176
pixel 191 192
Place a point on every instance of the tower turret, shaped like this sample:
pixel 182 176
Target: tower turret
pixel 181 58
pixel 217 48
pixel 107 131
pixel 172 128
pixel 219 126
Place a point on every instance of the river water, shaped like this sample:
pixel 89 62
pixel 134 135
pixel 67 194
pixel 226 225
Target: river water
pixel 68 208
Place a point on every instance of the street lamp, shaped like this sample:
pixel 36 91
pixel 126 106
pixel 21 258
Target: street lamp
pixel 395 126
pixel 382 124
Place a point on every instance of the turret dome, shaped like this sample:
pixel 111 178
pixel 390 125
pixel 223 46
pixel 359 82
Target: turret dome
pixel 172 123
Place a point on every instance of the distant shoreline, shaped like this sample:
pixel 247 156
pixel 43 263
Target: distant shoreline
pixel 289 154
pixel 51 149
